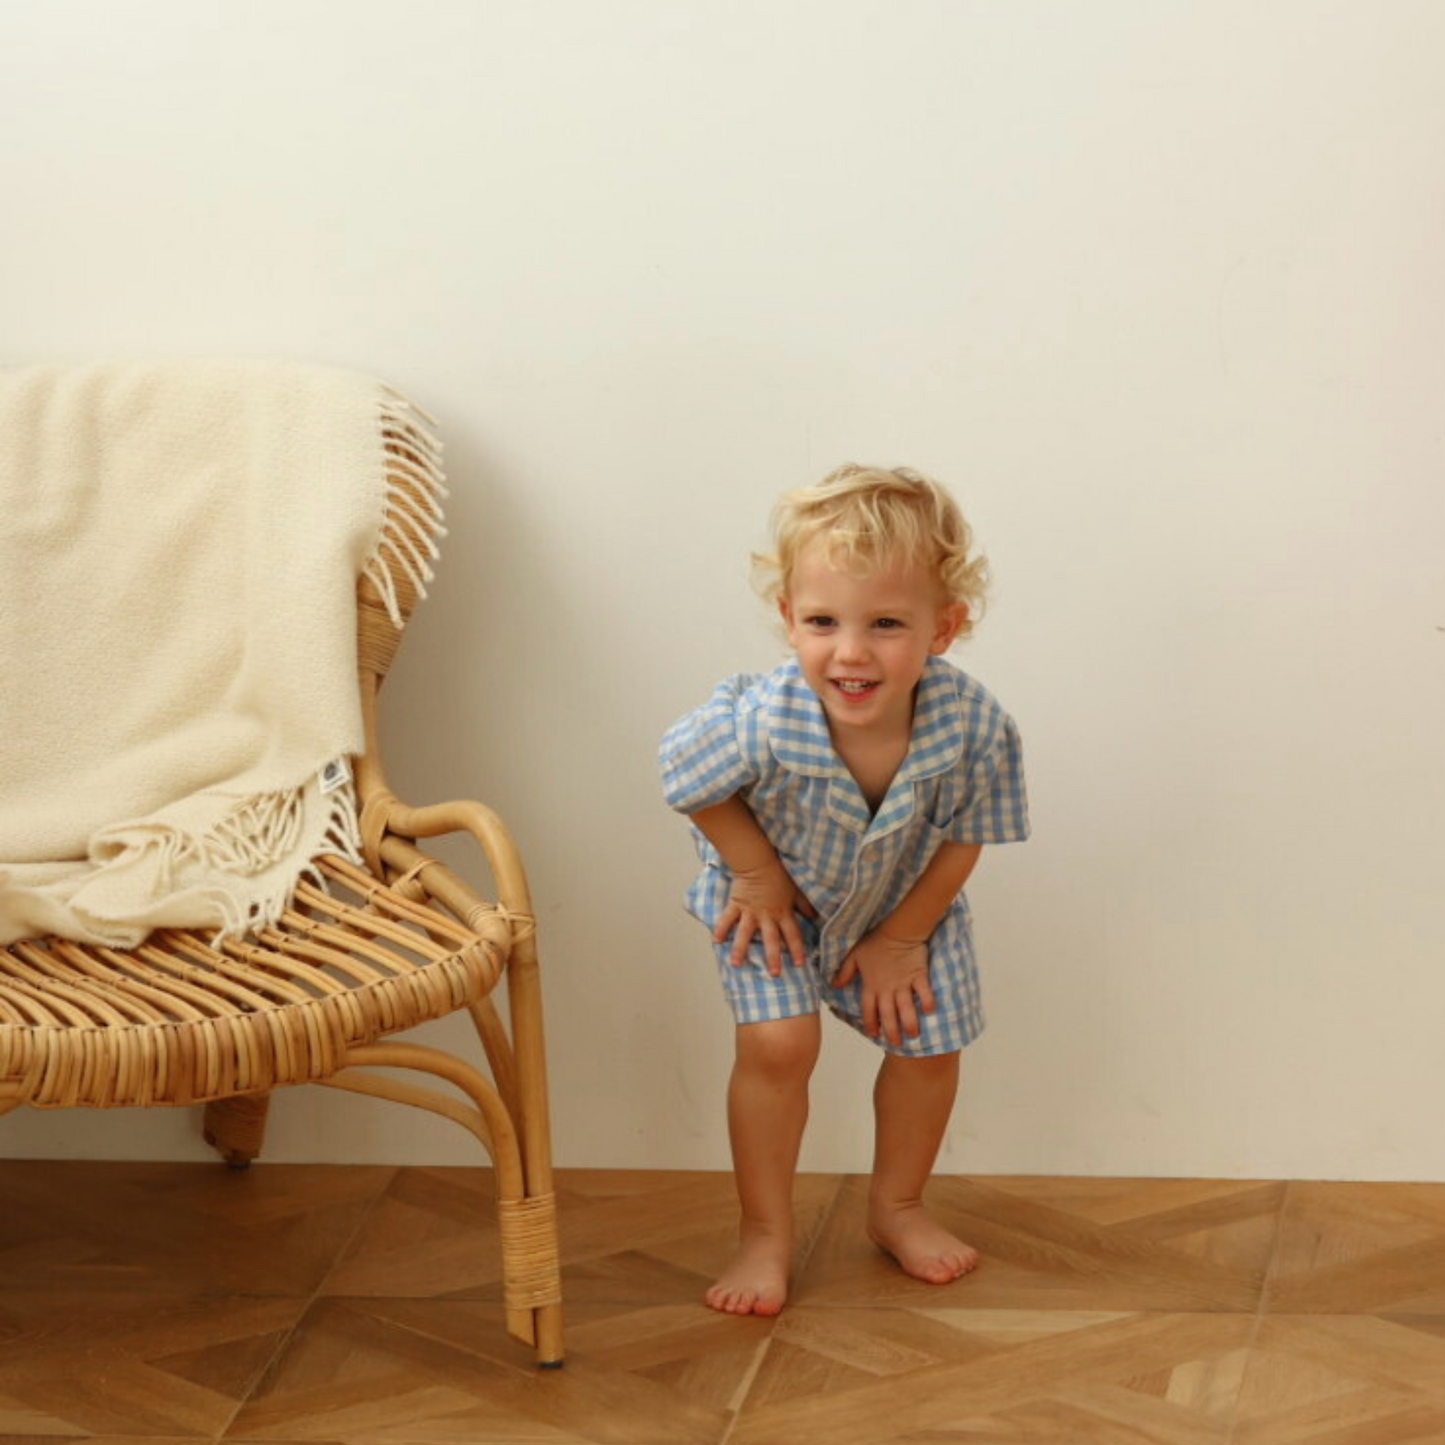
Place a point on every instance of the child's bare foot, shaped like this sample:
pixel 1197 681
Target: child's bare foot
pixel 922 1246
pixel 755 1281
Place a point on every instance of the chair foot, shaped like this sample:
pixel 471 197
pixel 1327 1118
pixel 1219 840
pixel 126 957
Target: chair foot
pixel 548 1336
pixel 235 1127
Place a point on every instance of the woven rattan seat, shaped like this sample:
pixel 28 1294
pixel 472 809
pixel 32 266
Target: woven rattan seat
pixel 182 1021
pixel 360 954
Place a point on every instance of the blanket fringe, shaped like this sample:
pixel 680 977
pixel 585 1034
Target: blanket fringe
pixel 415 490
pixel 343 833
pixel 258 913
pixel 342 838
pixel 255 835
pixel 276 819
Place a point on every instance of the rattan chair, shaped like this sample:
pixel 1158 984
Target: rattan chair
pixel 179 1021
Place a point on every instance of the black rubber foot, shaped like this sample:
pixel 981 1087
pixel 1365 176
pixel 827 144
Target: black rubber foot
pixel 550 1364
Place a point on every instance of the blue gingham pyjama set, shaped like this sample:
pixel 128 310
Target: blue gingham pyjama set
pixel 766 738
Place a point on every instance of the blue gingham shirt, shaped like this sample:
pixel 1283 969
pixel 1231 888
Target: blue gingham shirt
pixel 766 737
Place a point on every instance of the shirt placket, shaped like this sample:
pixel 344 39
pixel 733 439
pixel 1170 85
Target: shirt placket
pixel 867 879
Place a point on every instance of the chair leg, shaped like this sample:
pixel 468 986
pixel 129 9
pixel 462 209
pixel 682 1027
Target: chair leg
pixel 526 1217
pixel 525 997
pixel 236 1127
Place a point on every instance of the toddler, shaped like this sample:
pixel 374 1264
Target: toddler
pixel 840 803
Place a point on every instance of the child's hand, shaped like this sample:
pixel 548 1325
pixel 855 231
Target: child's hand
pixel 894 970
pixel 762 901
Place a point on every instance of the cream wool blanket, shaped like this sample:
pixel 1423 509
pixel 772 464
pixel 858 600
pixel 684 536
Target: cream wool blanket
pixel 179 553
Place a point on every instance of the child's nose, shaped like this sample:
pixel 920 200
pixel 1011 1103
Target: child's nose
pixel 852 645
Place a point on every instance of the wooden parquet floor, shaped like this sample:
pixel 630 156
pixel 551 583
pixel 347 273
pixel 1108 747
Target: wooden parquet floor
pixel 173 1303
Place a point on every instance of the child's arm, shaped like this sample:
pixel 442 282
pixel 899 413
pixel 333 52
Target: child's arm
pixel 763 895
pixel 893 958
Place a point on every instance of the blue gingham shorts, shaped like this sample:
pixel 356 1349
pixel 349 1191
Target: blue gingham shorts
pixel 757 997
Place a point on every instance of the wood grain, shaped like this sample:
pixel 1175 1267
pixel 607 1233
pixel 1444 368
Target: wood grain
pixel 358 1306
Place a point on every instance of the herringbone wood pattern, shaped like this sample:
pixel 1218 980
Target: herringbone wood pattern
pixel 182 1303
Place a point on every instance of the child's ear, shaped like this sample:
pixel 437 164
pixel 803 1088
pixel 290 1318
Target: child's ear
pixel 950 624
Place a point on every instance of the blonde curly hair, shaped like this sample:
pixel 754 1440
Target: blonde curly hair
pixel 872 517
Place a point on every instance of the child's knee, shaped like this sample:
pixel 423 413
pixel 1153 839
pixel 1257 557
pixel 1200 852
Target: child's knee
pixel 780 1048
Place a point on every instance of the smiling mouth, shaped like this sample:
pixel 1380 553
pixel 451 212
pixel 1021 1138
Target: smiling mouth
pixel 852 686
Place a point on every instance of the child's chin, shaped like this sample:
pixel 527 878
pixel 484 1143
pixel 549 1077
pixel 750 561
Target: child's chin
pixel 853 715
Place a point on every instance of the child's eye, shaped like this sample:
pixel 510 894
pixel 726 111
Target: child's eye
pixel 820 619
pixel 889 622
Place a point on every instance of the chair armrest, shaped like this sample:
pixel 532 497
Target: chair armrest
pixel 385 814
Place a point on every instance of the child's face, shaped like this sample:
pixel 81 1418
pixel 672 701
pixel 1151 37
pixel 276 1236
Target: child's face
pixel 863 642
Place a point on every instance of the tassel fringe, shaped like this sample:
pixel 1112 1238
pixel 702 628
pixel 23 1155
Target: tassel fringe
pixel 415 490
pixel 258 835
pixel 253 837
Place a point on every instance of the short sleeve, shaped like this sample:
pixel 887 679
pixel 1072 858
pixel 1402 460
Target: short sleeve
pixel 995 805
pixel 700 757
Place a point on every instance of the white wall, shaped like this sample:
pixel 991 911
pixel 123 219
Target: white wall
pixel 1156 286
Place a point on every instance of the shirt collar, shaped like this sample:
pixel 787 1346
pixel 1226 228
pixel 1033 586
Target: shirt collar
pixel 937 741
pixel 798 729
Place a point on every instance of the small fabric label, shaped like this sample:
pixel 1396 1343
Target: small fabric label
pixel 336 774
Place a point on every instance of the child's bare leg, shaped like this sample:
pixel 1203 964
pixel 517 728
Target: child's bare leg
pixel 912 1101
pixel 767 1108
